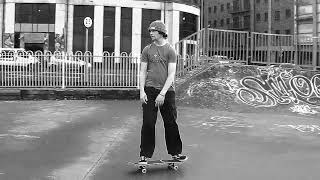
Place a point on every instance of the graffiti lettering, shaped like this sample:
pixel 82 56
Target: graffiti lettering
pixel 302 128
pixel 256 96
pixel 280 89
pixel 303 109
pixel 221 122
pixel 315 80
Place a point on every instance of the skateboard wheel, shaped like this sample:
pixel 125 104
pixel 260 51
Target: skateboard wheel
pixel 173 166
pixel 143 170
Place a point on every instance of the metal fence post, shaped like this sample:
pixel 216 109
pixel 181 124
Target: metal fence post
pixel 63 71
pixel 268 49
pixel 295 49
pixel 250 39
pixel 314 53
pixel 207 41
pixel 138 72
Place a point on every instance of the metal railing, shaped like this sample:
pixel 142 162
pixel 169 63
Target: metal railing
pixel 59 70
pixel 211 45
pixel 20 69
pixel 218 45
pixel 272 48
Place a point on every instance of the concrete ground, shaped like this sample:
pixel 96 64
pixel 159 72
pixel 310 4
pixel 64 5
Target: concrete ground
pixel 95 140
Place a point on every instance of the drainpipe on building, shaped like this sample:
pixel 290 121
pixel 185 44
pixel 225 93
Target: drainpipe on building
pixel 295 39
pixel 2 23
pixel 66 27
pixel 252 15
pixel 164 11
pixel 201 14
pixel 205 23
pixel 314 34
pixel 269 31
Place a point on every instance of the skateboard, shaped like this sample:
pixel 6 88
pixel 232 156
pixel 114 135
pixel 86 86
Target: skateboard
pixel 172 164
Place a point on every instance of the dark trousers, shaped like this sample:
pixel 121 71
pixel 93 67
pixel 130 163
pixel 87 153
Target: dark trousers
pixel 169 115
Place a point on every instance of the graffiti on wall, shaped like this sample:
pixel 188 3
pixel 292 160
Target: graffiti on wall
pixel 59 42
pixel 280 87
pixel 256 86
pixel 46 42
pixel 301 128
pixel 8 40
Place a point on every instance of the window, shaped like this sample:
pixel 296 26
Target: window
pixel 266 1
pixel 277 31
pixel 126 30
pixel 222 7
pixel 209 9
pixel 258 17
pixel 258 1
pixel 35 13
pixel 288 31
pixel 228 21
pixel 108 29
pixel 188 24
pixel 246 5
pixel 288 13
pixel 148 16
pixel 277 15
pixel 265 17
pixel 222 22
pixel 246 21
pixel 236 5
pixel 228 6
pixel 79 30
pixel 214 9
pixel 215 23
pixel 236 22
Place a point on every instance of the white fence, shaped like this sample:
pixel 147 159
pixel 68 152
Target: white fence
pixel 20 69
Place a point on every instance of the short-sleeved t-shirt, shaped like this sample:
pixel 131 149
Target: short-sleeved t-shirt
pixel 158 58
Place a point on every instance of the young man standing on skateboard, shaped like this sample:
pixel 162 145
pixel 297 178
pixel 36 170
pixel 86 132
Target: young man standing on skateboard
pixel 157 74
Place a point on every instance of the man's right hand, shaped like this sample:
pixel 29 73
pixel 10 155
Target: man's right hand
pixel 143 97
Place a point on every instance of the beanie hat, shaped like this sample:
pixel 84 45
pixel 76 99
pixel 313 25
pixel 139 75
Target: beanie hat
pixel 158 26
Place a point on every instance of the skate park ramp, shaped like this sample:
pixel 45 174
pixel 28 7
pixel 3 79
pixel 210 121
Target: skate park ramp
pixel 283 89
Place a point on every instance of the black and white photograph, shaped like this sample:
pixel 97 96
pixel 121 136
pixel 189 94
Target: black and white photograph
pixel 159 89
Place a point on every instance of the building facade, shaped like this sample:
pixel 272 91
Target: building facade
pixel 117 25
pixel 282 16
pixel 218 13
pixel 252 15
pixel 307 17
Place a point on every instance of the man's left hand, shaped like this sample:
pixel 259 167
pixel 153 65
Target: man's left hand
pixel 159 100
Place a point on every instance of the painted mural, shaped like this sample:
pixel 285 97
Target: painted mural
pixel 59 42
pixel 284 88
pixel 8 40
pixel 46 42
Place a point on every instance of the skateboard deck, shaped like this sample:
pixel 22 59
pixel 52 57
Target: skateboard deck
pixel 172 164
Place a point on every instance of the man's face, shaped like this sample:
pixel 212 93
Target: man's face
pixel 154 35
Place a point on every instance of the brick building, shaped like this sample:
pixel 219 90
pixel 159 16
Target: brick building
pixel 218 13
pixel 251 15
pixel 307 17
pixel 282 17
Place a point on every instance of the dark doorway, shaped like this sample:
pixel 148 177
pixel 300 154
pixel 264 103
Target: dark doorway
pixel 34 47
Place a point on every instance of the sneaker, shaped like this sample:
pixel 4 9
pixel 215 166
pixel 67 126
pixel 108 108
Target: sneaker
pixel 180 157
pixel 143 160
